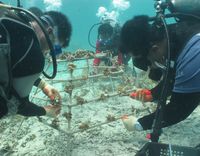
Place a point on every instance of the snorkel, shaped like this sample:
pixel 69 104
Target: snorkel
pixel 57 45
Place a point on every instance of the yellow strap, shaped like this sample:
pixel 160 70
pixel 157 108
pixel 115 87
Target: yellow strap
pixel 5 6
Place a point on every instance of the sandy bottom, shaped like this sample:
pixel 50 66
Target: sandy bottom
pixel 35 138
pixel 21 136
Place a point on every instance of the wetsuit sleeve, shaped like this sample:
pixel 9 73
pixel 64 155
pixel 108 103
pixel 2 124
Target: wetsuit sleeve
pixel 156 91
pixel 181 105
pixel 28 108
pixel 3 107
pixel 97 61
pixel 37 82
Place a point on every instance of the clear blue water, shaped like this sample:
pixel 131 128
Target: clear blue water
pixel 82 14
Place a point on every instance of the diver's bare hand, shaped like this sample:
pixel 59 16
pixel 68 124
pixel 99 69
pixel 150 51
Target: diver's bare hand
pixel 52 110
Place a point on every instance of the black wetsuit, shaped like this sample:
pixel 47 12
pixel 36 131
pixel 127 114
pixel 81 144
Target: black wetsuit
pixel 25 50
pixel 183 86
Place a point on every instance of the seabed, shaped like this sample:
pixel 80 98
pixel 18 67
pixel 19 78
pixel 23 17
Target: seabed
pixel 90 121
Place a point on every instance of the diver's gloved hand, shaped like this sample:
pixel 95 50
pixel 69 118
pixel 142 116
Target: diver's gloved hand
pixel 131 123
pixel 143 95
pixel 50 91
pixel 52 110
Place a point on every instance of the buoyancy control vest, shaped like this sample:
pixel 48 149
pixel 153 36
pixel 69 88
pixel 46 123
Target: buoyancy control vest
pixel 8 18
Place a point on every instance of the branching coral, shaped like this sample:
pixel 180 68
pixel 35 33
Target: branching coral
pixel 103 96
pixel 110 117
pixel 71 67
pixel 84 125
pixel 122 90
pixel 80 100
pixel 83 53
pixel 67 115
pixel 55 123
pixel 69 88
pixel 106 72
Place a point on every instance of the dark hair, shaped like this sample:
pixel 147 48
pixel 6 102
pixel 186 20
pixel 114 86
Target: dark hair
pixel 135 35
pixel 105 28
pixel 135 38
pixel 36 11
pixel 64 26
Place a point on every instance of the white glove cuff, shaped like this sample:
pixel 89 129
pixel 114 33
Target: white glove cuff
pixel 138 126
pixel 42 84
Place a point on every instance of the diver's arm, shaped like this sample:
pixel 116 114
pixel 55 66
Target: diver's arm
pixel 40 83
pixel 27 108
pixel 181 105
pixel 156 91
pixel 97 61
pixel 37 82
pixel 3 107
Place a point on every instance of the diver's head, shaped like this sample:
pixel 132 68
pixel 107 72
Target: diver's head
pixel 144 41
pixel 134 39
pixel 59 26
pixel 36 11
pixel 105 33
pixel 59 29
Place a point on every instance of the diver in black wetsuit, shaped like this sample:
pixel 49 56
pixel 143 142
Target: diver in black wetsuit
pixel 148 43
pixel 28 46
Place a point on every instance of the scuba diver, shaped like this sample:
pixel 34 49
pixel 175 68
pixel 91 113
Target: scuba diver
pixel 147 42
pixel 107 44
pixel 25 42
pixel 107 47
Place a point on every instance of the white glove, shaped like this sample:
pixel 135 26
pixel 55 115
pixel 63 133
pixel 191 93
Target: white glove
pixel 50 91
pixel 131 123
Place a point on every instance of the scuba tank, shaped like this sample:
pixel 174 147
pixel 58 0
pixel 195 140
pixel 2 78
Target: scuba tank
pixel 184 6
pixel 34 17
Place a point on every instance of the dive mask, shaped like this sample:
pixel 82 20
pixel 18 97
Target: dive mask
pixel 105 42
pixel 57 46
